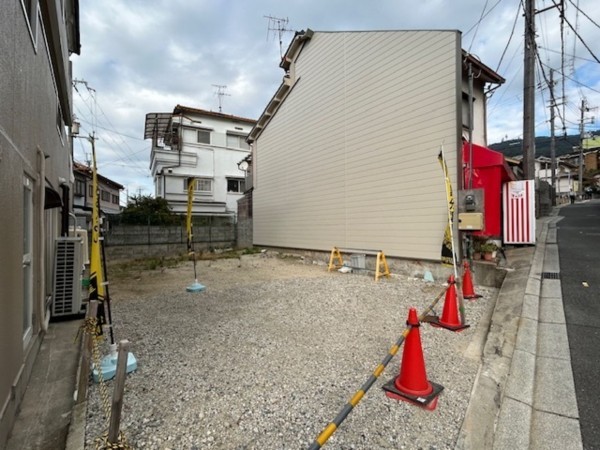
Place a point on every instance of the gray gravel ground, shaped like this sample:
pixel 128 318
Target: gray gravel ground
pixel 267 356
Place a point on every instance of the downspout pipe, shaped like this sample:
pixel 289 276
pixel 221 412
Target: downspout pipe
pixel 41 303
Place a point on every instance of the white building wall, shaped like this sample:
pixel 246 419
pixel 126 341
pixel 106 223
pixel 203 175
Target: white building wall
pixel 479 112
pixel 215 161
pixel 350 158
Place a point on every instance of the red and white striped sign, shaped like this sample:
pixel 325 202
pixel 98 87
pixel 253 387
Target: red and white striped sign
pixel 518 203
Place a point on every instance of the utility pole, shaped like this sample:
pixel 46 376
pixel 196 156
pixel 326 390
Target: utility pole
pixel 529 92
pixel 552 141
pixel 584 109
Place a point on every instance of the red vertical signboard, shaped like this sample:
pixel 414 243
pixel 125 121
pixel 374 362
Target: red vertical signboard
pixel 518 202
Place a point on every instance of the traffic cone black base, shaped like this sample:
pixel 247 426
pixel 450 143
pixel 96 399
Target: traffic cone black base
pixel 435 322
pixel 428 402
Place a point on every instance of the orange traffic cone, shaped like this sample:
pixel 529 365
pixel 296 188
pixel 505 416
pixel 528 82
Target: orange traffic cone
pixel 412 385
pixel 449 319
pixel 467 283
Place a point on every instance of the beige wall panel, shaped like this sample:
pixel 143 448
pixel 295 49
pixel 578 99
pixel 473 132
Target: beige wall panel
pixel 350 158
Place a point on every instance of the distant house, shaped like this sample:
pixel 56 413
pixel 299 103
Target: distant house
pixel 345 153
pixel 110 192
pixel 36 39
pixel 566 174
pixel 206 145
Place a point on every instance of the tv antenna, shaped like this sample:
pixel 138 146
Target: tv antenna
pixel 279 25
pixel 221 93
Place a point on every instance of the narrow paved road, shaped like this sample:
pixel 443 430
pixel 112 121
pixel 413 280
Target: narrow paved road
pixel 579 250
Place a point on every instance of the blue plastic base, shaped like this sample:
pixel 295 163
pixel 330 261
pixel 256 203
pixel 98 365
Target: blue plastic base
pixel 108 366
pixel 195 287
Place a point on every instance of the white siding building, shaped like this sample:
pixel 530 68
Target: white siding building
pixel 202 144
pixel 345 153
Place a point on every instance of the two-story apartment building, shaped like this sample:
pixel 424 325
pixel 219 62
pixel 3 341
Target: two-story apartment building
pixel 206 145
pixel 345 153
pixel 110 192
pixel 36 41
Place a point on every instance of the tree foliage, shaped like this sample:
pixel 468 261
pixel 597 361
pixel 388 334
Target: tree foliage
pixel 147 210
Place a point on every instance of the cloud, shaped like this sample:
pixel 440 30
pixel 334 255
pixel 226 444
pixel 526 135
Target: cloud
pixel 145 56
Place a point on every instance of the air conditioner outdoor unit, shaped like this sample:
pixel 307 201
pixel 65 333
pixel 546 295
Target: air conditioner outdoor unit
pixel 68 270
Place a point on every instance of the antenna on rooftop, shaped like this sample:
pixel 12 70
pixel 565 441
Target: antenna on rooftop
pixel 221 93
pixel 279 25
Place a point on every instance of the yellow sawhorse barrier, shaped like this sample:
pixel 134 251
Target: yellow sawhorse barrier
pixel 381 267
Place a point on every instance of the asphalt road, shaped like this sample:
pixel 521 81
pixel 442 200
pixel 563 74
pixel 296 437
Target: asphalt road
pixel 579 250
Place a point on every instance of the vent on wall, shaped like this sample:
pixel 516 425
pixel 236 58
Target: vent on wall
pixel 67 277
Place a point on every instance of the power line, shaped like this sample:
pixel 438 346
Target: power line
pixel 512 32
pixel 482 17
pixel 588 17
pixel 113 131
pixel 95 125
pixel 566 54
pixel 579 37
pixel 478 23
pixel 575 81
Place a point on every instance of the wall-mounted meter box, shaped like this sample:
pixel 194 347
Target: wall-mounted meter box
pixel 470 200
pixel 471 221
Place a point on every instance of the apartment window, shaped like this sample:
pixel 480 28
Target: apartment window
pixel 203 185
pixel 105 195
pixel 203 136
pixel 79 188
pixel 115 199
pixel 237 141
pixel 235 185
pixel 90 191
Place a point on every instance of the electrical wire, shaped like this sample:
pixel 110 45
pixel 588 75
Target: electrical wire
pixel 512 32
pixel 566 54
pixel 581 11
pixel 580 38
pixel 478 23
pixel 482 17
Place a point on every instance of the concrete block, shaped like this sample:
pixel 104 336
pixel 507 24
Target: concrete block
pixel 553 341
pixel 527 336
pixel 551 262
pixel 519 385
pixel 530 309
pixel 551 288
pixel 552 431
pixel 551 310
pixel 533 286
pixel 551 238
pixel 554 388
pixel 513 426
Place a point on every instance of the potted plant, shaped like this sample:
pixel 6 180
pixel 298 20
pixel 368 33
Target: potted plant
pixel 488 249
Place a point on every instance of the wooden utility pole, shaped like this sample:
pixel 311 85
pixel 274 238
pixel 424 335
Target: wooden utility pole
pixel 584 109
pixel 552 141
pixel 529 92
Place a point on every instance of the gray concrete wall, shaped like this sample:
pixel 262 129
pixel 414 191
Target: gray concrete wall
pixel 140 241
pixel 244 233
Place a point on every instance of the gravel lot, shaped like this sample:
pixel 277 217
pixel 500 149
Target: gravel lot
pixel 269 353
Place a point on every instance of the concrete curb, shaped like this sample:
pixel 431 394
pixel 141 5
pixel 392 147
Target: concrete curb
pixel 524 395
pixel 503 348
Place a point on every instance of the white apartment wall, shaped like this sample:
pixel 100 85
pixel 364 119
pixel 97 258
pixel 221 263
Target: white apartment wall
pixel 215 161
pixel 479 112
pixel 350 158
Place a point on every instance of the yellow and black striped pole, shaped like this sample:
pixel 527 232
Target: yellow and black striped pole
pixel 324 436
pixel 96 289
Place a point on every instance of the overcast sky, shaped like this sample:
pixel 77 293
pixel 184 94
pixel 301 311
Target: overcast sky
pixel 141 56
